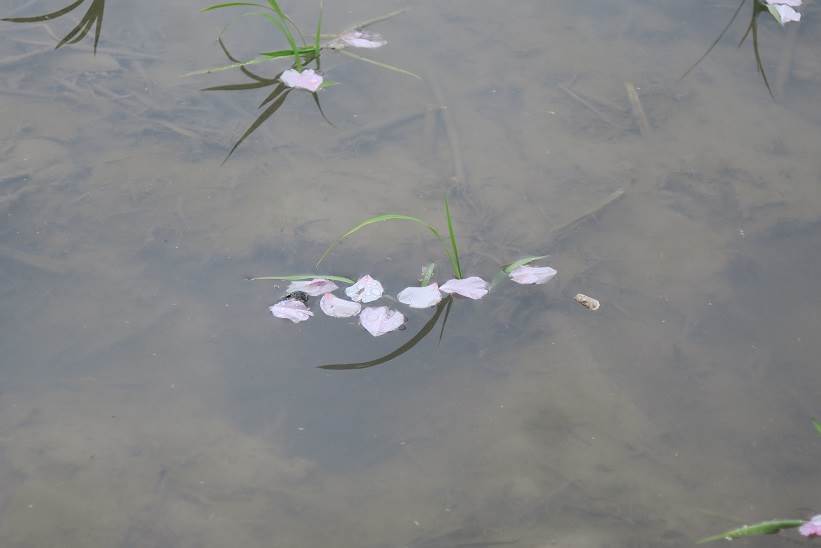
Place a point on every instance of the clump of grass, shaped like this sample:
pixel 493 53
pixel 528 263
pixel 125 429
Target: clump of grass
pixel 93 17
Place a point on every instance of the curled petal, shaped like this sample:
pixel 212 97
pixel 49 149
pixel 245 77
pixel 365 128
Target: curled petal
pixel 307 79
pixel 365 290
pixel 378 320
pixel 472 288
pixel 811 528
pixel 291 309
pixel 532 274
pixel 314 288
pixel 338 308
pixel 784 13
pixel 420 297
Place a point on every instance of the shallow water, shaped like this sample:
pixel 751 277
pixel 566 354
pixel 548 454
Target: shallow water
pixel 149 400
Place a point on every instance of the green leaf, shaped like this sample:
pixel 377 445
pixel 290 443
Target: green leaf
pixel 454 248
pixel 45 16
pixel 390 217
pixel 318 36
pixel 231 5
pixel 427 274
pixel 281 23
pixel 762 528
pixel 298 277
pixel 508 268
pixel 817 425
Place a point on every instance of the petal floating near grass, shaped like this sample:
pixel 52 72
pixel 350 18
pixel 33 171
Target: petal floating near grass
pixel 811 528
pixel 365 290
pixel 784 10
pixel 338 308
pixel 308 79
pixel 291 309
pixel 378 320
pixel 314 288
pixel 473 287
pixel 532 274
pixel 358 39
pixel 420 297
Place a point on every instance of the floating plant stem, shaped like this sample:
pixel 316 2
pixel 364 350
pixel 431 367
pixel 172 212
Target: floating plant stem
pixel 379 64
pixel 770 527
pixel 454 248
pixel 299 277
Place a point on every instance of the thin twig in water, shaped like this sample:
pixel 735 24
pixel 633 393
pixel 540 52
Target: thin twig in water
pixel 561 232
pixel 638 110
pixel 590 106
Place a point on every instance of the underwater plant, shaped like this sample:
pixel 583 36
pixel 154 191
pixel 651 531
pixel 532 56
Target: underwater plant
pixel 93 18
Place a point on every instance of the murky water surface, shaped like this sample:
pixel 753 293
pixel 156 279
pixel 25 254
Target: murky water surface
pixel 148 399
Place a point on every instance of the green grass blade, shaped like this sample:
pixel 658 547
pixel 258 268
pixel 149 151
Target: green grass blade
pixel 318 36
pixel 232 5
pixel 454 249
pixel 267 113
pixel 399 351
pixel 817 425
pixel 380 219
pixel 378 64
pixel 281 24
pixel 508 268
pixel 99 6
pixel 762 528
pixel 298 277
pixel 717 40
pixel 427 274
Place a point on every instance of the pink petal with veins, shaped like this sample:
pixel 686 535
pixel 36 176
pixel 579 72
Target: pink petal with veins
pixel 532 274
pixel 307 79
pixel 380 320
pixel 359 39
pixel 420 297
pixel 291 309
pixel 338 308
pixel 365 290
pixel 314 288
pixel 472 288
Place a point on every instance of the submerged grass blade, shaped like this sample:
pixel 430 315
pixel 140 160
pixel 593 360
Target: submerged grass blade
pixel 259 121
pixel 454 249
pixel 375 20
pixel 298 277
pixel 318 36
pixel 445 319
pixel 378 64
pixel 383 218
pixel 100 9
pixel 45 16
pixel 762 528
pixel 399 351
pixel 717 40
pixel 232 5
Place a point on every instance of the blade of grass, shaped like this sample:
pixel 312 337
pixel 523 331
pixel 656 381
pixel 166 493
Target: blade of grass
pixel 298 277
pixel 232 5
pixel 322 112
pixel 445 319
pixel 378 64
pixel 817 425
pixel 282 25
pixel 508 268
pixel 259 121
pixel 399 351
pixel 717 40
pixel 375 20
pixel 762 528
pixel 45 16
pixel 100 9
pixel 454 248
pixel 389 217
pixel 318 36
pixel 427 274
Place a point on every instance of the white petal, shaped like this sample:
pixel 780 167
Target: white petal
pixel 314 288
pixel 291 309
pixel 359 39
pixel 380 320
pixel 365 290
pixel 472 288
pixel 532 274
pixel 338 308
pixel 420 297
pixel 784 14
pixel 307 79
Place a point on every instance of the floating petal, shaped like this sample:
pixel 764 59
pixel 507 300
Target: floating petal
pixel 420 297
pixel 338 308
pixel 532 274
pixel 314 288
pixel 307 79
pixel 291 309
pixel 378 320
pixel 365 290
pixel 472 288
pixel 811 528
pixel 359 39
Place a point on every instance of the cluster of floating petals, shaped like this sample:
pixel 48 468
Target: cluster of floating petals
pixel 308 79
pixel 314 288
pixel 338 308
pixel 532 274
pixel 420 297
pixel 365 290
pixel 784 10
pixel 358 39
pixel 473 287
pixel 291 309
pixel 811 528
pixel 378 320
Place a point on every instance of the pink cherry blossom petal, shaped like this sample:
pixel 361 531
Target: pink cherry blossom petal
pixel 359 39
pixel 338 308
pixel 307 79
pixel 532 274
pixel 378 320
pixel 811 528
pixel 291 309
pixel 420 297
pixel 314 288
pixel 472 288
pixel 365 290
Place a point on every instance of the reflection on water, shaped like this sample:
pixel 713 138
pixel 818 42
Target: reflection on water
pixel 148 399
